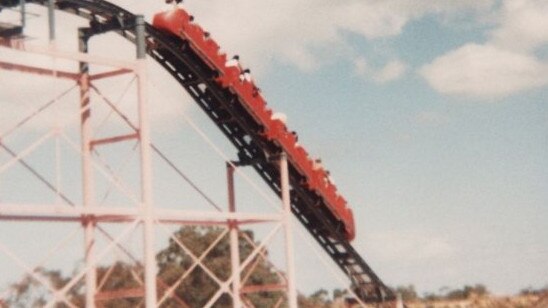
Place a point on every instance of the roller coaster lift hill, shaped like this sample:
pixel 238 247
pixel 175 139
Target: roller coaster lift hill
pixel 237 107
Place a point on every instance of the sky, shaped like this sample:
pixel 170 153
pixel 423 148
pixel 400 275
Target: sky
pixel 432 117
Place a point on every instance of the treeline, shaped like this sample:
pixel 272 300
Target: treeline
pixel 409 293
pixel 182 282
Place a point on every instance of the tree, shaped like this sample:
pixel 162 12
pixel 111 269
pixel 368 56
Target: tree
pixel 173 262
pixel 407 293
pixel 29 292
pixel 198 287
pixel 467 291
pixel 318 299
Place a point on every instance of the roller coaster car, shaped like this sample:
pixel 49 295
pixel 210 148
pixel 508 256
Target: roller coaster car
pixel 230 76
pixel 172 21
pixel 349 227
pixel 179 23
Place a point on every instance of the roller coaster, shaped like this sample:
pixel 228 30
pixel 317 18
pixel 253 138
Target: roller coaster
pixel 221 88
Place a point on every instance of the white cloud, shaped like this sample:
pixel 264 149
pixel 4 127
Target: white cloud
pixel 505 64
pixel 523 25
pixel 391 71
pixel 360 66
pixel 484 71
pixel 264 32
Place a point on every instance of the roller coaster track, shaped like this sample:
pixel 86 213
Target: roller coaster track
pixel 238 125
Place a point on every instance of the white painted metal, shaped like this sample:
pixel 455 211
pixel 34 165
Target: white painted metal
pixel 146 167
pixel 53 51
pixel 107 250
pixel 290 258
pixel 117 212
pixel 234 243
pixel 87 175
pixel 197 262
pixel 90 214
pixel 51 20
pixel 225 285
pixel 32 273
pixel 27 151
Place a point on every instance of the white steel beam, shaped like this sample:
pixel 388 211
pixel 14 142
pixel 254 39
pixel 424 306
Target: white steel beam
pixel 88 181
pixel 52 51
pixel 224 286
pixel 31 272
pixel 109 74
pixel 234 245
pixel 26 151
pixel 74 280
pixel 158 214
pixel 38 71
pixel 146 167
pixel 290 258
pixel 196 262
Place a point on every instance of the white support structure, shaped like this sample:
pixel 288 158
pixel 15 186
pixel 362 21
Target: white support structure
pixel 87 173
pixel 142 212
pixel 146 167
pixel 290 257
pixel 234 243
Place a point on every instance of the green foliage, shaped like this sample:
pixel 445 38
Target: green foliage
pixel 530 290
pixel 197 288
pixel 467 291
pixel 29 292
pixel 407 293
pixel 173 263
pixel 314 301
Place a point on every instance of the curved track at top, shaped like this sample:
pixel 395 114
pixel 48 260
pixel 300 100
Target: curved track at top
pixel 229 112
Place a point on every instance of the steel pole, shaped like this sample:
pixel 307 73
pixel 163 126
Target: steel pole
pixel 146 167
pixel 290 258
pixel 23 13
pixel 87 172
pixel 234 243
pixel 51 20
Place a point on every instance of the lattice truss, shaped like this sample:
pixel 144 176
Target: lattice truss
pixel 85 189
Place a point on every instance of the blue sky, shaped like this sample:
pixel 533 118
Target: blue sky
pixel 431 116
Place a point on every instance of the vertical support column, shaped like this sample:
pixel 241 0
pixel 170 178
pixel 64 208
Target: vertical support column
pixel 234 243
pixel 87 172
pixel 23 13
pixel 51 21
pixel 286 203
pixel 146 168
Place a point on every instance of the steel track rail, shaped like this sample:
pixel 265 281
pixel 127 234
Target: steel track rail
pixel 241 129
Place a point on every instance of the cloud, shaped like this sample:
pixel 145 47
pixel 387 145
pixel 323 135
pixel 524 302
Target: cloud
pixel 391 71
pixel 484 71
pixel 523 25
pixel 266 32
pixel 504 64
pixel 360 66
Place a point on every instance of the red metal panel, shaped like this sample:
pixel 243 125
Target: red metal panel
pixel 172 21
